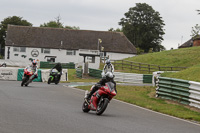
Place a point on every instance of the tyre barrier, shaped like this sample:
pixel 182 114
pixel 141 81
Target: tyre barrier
pixel 182 91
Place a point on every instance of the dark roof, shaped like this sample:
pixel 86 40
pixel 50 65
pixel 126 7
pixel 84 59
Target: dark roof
pixel 27 36
pixel 186 44
pixel 189 43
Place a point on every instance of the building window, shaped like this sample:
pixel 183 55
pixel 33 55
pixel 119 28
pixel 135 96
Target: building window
pixel 19 49
pixel 71 52
pixel 16 49
pixel 22 49
pixel 45 50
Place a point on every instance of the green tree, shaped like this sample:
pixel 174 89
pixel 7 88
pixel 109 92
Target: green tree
pixel 143 26
pixel 14 20
pixel 195 31
pixel 52 24
pixel 72 27
pixel 117 30
pixel 58 24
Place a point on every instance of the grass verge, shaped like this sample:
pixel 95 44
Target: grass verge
pixel 72 77
pixel 145 97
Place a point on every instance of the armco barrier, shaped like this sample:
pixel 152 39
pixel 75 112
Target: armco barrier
pixel 128 77
pixel 124 77
pixel 79 72
pixel 183 91
pixel 147 78
pixel 95 73
pixel 194 94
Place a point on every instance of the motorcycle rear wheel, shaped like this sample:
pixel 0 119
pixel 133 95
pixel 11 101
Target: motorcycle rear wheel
pixel 85 107
pixel 102 105
pixel 56 82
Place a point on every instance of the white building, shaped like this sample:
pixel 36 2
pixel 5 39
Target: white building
pixel 64 45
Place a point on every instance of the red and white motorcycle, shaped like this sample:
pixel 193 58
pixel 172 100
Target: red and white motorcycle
pixel 28 76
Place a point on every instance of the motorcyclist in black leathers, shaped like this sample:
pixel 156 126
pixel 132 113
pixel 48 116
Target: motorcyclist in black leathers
pixel 108 78
pixel 58 67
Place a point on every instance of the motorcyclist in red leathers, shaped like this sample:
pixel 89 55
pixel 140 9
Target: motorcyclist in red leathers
pixel 34 69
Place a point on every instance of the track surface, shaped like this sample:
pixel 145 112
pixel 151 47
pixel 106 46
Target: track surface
pixel 43 108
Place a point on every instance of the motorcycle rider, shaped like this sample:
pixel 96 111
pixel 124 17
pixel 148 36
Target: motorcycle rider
pixel 108 78
pixel 58 67
pixel 108 67
pixel 34 69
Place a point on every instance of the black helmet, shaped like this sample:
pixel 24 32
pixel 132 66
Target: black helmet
pixel 109 76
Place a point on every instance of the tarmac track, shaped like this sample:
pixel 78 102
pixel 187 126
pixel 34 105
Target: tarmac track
pixel 43 108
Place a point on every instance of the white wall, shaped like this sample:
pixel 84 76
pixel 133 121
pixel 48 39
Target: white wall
pixel 62 57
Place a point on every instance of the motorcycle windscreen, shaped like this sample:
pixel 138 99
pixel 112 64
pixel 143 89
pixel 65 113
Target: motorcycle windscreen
pixel 111 86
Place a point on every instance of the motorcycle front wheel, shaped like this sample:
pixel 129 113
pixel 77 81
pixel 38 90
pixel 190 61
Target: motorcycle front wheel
pixel 85 107
pixel 49 80
pixel 102 105
pixel 24 80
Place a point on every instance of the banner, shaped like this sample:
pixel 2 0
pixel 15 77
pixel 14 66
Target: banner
pixel 8 73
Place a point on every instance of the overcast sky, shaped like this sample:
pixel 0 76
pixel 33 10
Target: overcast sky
pixel 100 15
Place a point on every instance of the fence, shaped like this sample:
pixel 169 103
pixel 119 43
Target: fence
pixel 124 64
pixel 183 91
pixel 70 65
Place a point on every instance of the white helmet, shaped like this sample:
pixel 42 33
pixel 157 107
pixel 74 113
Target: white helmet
pixel 108 61
pixel 109 76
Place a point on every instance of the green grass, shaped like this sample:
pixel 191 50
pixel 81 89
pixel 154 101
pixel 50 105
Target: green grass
pixel 185 57
pixel 145 97
pixel 72 77
pixel 191 74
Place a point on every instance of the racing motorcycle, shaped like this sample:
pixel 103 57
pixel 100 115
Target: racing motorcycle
pixel 54 77
pixel 100 99
pixel 28 76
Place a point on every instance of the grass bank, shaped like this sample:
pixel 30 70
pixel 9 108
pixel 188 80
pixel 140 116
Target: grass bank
pixel 145 97
pixel 185 57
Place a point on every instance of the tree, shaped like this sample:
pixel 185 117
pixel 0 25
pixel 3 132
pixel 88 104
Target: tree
pixel 52 24
pixel 58 24
pixel 143 26
pixel 195 31
pixel 72 27
pixel 14 20
pixel 117 30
